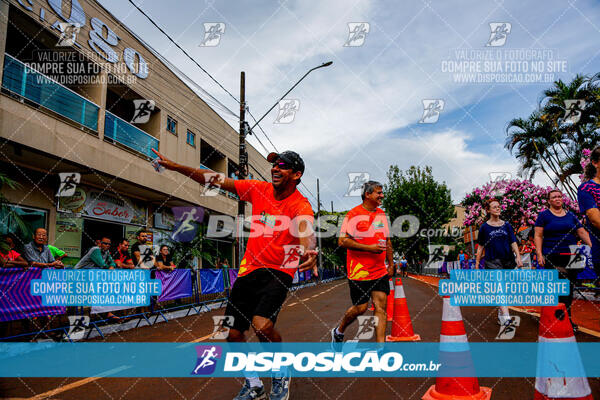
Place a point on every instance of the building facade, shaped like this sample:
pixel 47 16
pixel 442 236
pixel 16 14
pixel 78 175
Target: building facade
pixel 82 93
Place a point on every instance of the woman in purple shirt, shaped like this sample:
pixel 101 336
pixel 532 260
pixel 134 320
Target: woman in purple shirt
pixel 556 229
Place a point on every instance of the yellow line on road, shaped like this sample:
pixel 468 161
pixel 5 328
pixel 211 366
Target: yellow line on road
pixel 75 384
pixel 85 381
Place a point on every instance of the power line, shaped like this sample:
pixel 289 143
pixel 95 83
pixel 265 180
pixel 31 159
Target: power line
pixel 184 52
pixel 214 80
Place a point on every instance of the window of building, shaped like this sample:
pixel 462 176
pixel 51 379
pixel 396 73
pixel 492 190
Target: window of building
pixel 191 138
pixel 172 125
pixel 21 221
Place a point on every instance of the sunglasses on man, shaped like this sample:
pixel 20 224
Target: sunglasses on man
pixel 282 165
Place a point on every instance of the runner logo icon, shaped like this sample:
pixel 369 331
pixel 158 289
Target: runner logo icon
pixel 431 111
pixel 293 252
pixel 212 34
pixel 366 327
pixel 358 33
pixel 78 325
pixel 356 180
pixel 68 35
pixel 498 33
pixel 222 324
pixel 207 359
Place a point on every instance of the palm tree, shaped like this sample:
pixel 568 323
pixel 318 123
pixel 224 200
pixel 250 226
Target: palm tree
pixel 545 141
pixel 6 211
pixel 530 141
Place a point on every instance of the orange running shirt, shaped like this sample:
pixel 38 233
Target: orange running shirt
pixel 272 243
pixel 365 227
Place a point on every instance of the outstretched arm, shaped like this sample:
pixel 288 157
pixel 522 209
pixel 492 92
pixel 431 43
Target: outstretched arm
pixel 200 175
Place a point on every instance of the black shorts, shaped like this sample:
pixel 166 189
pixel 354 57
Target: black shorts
pixel 360 291
pixel 499 263
pixel 261 292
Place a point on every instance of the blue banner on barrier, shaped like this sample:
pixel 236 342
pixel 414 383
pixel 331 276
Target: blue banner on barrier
pixel 308 359
pixel 16 301
pixel 233 273
pixel 211 281
pixel 95 287
pixel 175 284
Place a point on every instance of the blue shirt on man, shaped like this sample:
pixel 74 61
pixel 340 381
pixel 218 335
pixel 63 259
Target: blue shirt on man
pixel 33 254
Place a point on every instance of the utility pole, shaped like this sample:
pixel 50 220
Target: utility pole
pixel 472 244
pixel 242 167
pixel 319 224
pixel 332 206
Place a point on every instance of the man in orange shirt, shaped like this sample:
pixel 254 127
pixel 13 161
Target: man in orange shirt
pixel 281 242
pixel 365 233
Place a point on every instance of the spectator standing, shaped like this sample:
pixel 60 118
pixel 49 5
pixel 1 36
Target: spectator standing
pixel 404 266
pixel 498 239
pixel 556 230
pixel 461 258
pixel 588 197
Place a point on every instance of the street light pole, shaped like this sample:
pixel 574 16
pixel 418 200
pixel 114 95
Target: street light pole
pixel 319 225
pixel 327 64
pixel 242 167
pixel 245 129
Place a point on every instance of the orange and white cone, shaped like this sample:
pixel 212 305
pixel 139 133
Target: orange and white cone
pixel 390 301
pixel 555 327
pixel 455 358
pixel 402 329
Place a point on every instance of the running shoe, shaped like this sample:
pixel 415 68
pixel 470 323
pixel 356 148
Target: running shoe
pixel 336 340
pixel 280 388
pixel 251 393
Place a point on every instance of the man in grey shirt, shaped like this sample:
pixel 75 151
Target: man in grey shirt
pixel 37 252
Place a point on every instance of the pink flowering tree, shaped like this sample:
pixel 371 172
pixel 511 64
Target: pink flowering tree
pixel 520 200
pixel 585 160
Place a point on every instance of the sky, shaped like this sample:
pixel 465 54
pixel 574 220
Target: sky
pixel 366 111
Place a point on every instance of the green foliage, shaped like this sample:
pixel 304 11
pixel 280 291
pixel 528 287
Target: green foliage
pixel 333 256
pixel 545 142
pixel 8 214
pixel 416 192
pixel 200 247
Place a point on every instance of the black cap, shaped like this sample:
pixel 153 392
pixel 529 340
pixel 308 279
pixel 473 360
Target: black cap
pixel 289 157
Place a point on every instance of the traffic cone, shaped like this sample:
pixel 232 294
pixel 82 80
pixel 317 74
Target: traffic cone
pixel 455 357
pixel 555 327
pixel 402 329
pixel 390 301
